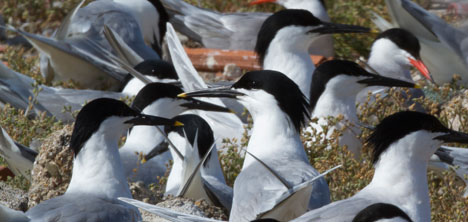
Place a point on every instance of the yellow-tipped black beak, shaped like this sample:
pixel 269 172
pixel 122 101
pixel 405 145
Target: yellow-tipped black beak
pixel 148 120
pixel 376 80
pixel 330 28
pixel 216 92
pixel 198 104
pixel 454 137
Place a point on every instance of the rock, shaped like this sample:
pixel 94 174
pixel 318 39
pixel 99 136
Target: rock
pixel 199 208
pixel 141 192
pixel 13 198
pixel 457 105
pixel 53 167
pixel 232 71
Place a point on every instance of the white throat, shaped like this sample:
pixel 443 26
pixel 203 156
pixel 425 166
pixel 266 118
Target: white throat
pixel 97 169
pixel 273 133
pixel 288 53
pixel 400 174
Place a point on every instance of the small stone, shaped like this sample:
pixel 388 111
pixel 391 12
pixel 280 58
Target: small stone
pixel 53 167
pixel 232 71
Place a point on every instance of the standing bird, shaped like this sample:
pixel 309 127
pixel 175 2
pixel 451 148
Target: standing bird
pixel 194 141
pixel 157 99
pixel 335 85
pixel 279 110
pixel 402 145
pixel 283 41
pixel 226 30
pixel 97 177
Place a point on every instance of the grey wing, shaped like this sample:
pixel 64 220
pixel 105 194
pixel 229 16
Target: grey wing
pixel 19 158
pixel 257 191
pixel 83 208
pixel 89 23
pixel 220 193
pixel 7 214
pixel 165 213
pixel 79 50
pixel 456 39
pixel 15 88
pixel 339 211
pixel 213 29
pixel 456 158
pixel 55 100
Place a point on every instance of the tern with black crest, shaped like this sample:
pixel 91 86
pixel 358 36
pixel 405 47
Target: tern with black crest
pixel 283 41
pixel 97 177
pixel 403 144
pixel 276 157
pixel 238 30
pixel 335 85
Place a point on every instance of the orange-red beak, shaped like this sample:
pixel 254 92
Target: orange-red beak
pixel 422 68
pixel 256 2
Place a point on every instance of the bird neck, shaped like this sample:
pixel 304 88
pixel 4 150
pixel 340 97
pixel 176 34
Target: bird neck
pixel 401 175
pixel 97 169
pixel 293 62
pixel 335 102
pixel 273 137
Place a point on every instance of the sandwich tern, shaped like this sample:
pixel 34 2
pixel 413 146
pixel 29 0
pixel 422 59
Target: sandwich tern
pixel 279 110
pixel 194 141
pixel 335 85
pixel 97 177
pixel 403 144
pixel 238 31
pixel 157 99
pixel 284 38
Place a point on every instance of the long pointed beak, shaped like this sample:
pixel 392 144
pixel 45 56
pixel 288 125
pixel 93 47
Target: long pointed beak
pixel 329 28
pixel 454 137
pixel 198 104
pixel 261 2
pixel 376 80
pixel 160 148
pixel 148 120
pixel 215 92
pixel 422 68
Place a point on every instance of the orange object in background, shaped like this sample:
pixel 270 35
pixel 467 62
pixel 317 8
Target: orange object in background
pixel 214 60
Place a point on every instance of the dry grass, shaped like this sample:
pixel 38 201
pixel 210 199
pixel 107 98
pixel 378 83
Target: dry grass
pixel 445 190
